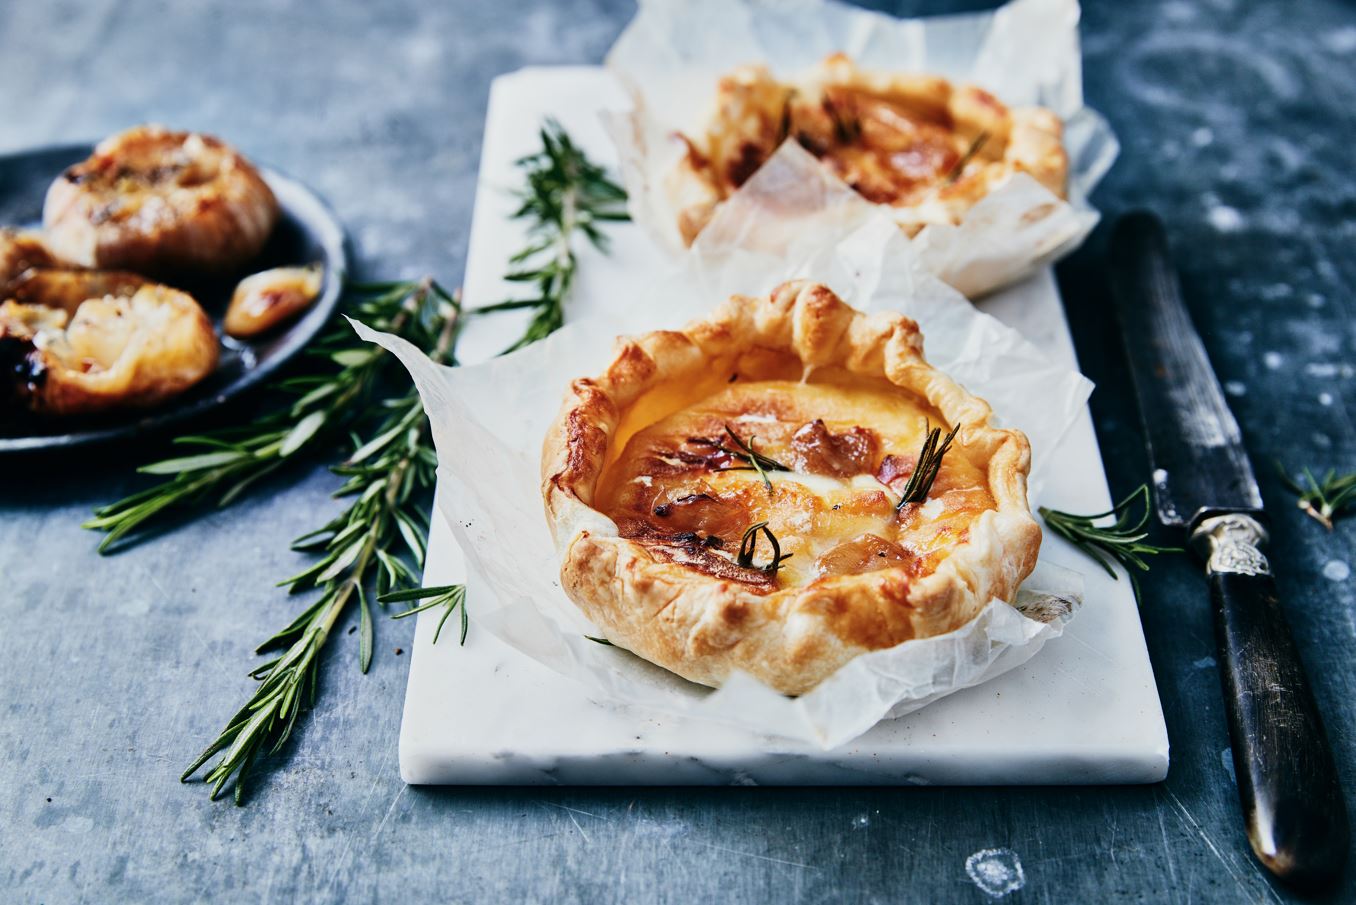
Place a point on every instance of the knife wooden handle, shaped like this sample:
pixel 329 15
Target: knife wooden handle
pixel 1287 781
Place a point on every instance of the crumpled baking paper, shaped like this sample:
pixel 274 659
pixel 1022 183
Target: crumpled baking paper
pixel 795 221
pixel 1026 53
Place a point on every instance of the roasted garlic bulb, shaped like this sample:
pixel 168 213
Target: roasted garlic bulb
pixel 127 344
pixel 264 300
pixel 160 202
pixel 20 252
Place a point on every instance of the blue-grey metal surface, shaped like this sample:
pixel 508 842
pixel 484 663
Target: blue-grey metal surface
pixel 1237 122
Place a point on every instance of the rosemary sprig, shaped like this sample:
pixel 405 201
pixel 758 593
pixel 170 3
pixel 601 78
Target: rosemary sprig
pixel 390 465
pixel 1324 500
pixel 233 459
pixel 448 597
pixel 748 547
pixel 925 471
pixel 1122 540
pixel 566 193
pixel 744 451
pixel 357 548
pixel 975 147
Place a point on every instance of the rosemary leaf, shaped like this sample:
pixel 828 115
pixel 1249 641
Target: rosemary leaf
pixel 391 456
pixel 748 546
pixel 332 399
pixel 1323 500
pixel 1122 540
pixel 566 194
pixel 928 465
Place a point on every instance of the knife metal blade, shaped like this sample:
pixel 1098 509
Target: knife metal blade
pixel 1292 801
pixel 1194 442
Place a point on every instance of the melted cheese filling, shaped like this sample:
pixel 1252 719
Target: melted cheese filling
pixel 680 485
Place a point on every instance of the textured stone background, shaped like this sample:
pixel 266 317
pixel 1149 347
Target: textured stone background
pixel 1237 121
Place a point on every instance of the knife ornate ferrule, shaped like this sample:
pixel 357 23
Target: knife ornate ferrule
pixel 1231 544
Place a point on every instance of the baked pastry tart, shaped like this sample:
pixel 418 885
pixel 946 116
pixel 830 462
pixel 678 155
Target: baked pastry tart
pixel 925 148
pixel 155 201
pixel 744 494
pixel 81 342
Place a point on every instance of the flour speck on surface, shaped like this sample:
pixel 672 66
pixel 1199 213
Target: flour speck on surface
pixel 1273 360
pixel 1336 570
pixel 1224 218
pixel 1235 387
pixel 996 871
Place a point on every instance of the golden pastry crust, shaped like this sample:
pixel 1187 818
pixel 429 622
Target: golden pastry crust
pixel 160 202
pixel 925 148
pixel 647 514
pixel 82 342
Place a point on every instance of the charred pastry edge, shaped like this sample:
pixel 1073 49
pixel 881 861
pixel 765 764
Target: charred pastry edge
pixel 1033 141
pixel 703 628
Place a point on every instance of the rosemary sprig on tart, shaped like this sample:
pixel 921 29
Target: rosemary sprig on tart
pixel 975 147
pixel 745 452
pixel 748 547
pixel 1122 540
pixel 1323 500
pixel 929 463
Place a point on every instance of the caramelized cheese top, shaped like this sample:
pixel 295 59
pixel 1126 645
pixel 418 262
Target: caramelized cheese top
pixel 680 487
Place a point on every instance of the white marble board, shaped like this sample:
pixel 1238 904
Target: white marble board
pixel 1084 710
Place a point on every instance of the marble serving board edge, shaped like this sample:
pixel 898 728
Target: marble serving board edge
pixel 1085 710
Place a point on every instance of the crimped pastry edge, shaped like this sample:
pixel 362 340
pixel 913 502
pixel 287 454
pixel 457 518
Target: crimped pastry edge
pixel 1034 141
pixel 703 628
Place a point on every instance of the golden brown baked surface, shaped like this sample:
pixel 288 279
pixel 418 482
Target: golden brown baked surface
pixel 265 300
pixel 82 342
pixel 650 494
pixel 926 148
pixel 161 202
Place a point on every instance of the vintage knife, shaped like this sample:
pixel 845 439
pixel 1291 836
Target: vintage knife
pixel 1203 482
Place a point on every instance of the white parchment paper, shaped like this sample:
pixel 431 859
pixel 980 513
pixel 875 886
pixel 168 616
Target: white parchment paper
pixel 673 53
pixel 794 221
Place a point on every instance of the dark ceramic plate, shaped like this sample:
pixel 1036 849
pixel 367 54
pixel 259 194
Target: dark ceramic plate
pixel 307 233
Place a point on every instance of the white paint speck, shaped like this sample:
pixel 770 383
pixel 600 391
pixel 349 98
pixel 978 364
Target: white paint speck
pixel 1160 477
pixel 1343 40
pixel 1178 12
pixel 1336 570
pixel 1235 387
pixel 1275 291
pixel 1328 369
pixel 1224 218
pixel 996 871
pixel 861 822
pixel 1315 300
pixel 1202 137
pixel 1273 360
pixel 1325 398
pixel 1226 757
pixel 1203 662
